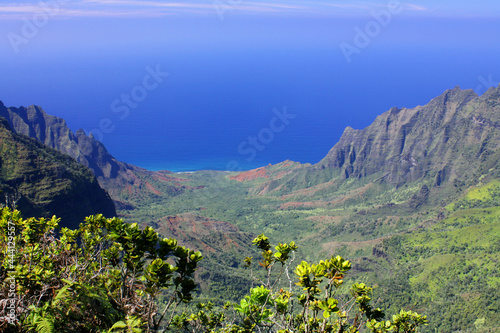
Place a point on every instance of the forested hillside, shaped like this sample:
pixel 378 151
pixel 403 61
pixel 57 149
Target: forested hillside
pixel 391 198
pixel 411 201
pixel 42 181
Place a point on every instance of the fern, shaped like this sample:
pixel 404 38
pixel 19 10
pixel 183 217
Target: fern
pixel 44 325
pixel 40 321
pixel 132 325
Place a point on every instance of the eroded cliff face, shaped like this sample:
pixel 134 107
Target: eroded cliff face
pixel 123 181
pixel 46 182
pixel 453 135
pixel 52 131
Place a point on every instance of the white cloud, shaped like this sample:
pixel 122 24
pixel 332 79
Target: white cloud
pixel 16 8
pixel 416 8
pixel 136 8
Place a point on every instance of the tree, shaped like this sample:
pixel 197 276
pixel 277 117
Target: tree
pixel 106 276
pixel 111 276
pixel 317 305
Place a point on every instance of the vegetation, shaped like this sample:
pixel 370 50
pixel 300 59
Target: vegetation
pixel 47 181
pixel 435 255
pixel 450 269
pixel 412 200
pixel 320 304
pixel 110 276
pixel 105 276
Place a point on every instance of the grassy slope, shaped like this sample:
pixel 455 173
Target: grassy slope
pixel 423 253
pixel 450 271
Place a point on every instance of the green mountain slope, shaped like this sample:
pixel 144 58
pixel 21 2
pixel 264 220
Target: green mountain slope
pixel 127 184
pixel 455 137
pixel 46 182
pixel 392 198
pixel 411 200
pixel 451 270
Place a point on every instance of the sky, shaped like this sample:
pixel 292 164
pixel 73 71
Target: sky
pixel 153 9
pixel 185 85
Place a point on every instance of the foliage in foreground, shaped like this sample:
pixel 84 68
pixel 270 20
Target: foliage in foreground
pixel 110 276
pixel 317 305
pixel 105 276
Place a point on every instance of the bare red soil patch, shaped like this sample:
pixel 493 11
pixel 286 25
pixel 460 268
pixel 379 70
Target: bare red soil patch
pixel 251 175
pixel 152 189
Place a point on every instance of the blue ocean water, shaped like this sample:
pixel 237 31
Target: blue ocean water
pixel 293 106
pixel 225 106
pixel 218 116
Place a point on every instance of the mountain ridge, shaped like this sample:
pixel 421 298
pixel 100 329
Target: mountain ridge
pixel 437 143
pixel 409 200
pixel 123 181
pixel 409 142
pixel 43 182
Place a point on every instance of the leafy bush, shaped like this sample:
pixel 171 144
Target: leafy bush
pixel 105 276
pixel 316 306
pixel 110 276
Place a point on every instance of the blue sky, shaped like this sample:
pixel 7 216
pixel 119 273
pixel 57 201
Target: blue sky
pixel 337 63
pixel 107 24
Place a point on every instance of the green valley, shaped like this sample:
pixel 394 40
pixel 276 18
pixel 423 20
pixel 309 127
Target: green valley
pixel 412 201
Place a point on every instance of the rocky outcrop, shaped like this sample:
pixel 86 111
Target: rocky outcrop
pixel 52 131
pixel 123 181
pixel 449 137
pixel 455 136
pixel 45 182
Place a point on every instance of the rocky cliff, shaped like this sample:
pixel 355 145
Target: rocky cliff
pixel 45 182
pixel 123 181
pixel 454 135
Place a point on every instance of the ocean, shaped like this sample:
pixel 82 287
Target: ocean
pixel 185 109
